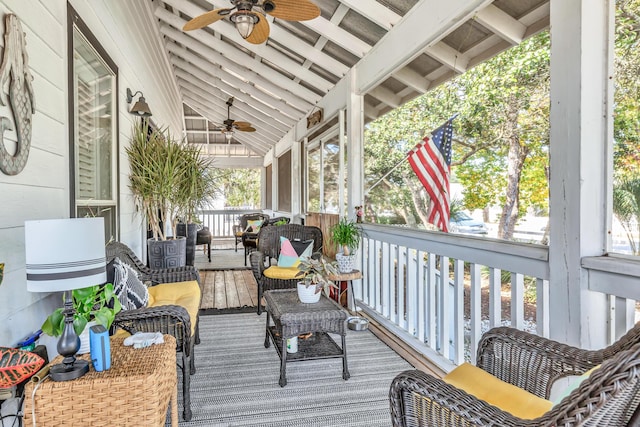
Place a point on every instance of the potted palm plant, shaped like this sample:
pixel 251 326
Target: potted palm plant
pixel 315 278
pixel 347 235
pixel 200 188
pixel 160 182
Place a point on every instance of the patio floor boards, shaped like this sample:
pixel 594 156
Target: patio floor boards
pixel 228 289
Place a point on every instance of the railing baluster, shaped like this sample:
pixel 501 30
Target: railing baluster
pixel 445 307
pixel 517 300
pixel 431 298
pixel 393 283
pixel 458 340
pixel 386 278
pixel 402 286
pixel 412 292
pixel 495 297
pixel 542 307
pixel 476 310
pixel 422 296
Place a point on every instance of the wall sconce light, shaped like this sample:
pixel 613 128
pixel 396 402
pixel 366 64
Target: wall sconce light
pixel 140 108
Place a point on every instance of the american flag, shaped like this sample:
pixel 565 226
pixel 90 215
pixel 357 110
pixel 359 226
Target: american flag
pixel 431 161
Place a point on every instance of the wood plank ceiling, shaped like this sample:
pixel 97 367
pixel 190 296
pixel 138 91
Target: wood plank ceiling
pixel 277 83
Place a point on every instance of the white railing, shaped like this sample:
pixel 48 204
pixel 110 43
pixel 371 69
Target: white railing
pixel 403 287
pixel 221 222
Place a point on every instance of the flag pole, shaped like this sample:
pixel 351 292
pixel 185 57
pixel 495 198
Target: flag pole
pixel 399 163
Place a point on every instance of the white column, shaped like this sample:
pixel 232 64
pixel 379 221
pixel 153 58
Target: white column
pixel 263 187
pixel 580 199
pixel 296 179
pixel 355 147
pixel 274 183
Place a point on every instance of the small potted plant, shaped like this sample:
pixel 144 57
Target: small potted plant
pixel 315 278
pixel 347 235
pixel 96 303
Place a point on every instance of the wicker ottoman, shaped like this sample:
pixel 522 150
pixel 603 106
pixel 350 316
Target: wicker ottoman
pixel 292 318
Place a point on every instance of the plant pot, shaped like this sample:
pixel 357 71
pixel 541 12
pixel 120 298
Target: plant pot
pixel 167 253
pixel 307 294
pixel 190 231
pixel 85 346
pixel 345 262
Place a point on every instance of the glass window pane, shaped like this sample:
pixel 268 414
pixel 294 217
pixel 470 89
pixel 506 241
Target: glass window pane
pixel 330 178
pixel 94 85
pixel 313 165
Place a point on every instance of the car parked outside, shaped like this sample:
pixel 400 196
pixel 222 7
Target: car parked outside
pixel 462 223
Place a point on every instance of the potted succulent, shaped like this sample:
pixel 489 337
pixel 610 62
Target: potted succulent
pixel 97 304
pixel 315 278
pixel 161 180
pixel 347 235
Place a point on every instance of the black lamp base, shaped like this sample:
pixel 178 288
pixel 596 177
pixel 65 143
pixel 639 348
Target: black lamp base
pixel 67 372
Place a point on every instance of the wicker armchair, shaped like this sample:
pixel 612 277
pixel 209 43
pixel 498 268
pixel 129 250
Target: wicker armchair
pixel 238 229
pixel 269 247
pixel 610 396
pixel 168 319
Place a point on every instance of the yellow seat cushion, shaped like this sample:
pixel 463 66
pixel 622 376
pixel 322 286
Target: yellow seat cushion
pixel 505 396
pixel 239 233
pixel 282 273
pixel 185 294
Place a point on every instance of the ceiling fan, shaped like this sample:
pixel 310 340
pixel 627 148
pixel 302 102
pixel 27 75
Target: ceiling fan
pixel 252 24
pixel 230 125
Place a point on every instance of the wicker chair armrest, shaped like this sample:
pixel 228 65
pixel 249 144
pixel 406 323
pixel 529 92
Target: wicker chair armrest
pixel 168 319
pixel 257 260
pixel 416 397
pixel 531 362
pixel 171 275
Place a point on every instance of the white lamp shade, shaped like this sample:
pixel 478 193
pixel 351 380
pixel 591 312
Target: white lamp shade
pixel 64 254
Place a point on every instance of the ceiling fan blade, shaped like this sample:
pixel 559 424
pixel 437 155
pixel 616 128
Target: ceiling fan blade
pixel 242 124
pixel 294 10
pixel 247 129
pixel 206 19
pixel 260 32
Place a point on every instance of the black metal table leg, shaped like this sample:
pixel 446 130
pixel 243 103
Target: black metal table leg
pixel 266 336
pixel 345 369
pixel 283 364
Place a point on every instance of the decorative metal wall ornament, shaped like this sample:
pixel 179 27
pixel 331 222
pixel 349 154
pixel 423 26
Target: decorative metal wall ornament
pixel 15 80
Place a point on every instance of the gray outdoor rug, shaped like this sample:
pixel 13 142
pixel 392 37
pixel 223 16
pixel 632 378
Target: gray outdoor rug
pixel 236 383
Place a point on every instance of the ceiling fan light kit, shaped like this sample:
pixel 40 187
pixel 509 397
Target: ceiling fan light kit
pixel 252 24
pixel 245 21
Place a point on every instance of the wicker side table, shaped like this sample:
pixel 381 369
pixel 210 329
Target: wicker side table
pixel 292 318
pixel 135 392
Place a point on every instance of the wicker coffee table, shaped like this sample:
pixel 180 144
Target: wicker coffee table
pixel 292 318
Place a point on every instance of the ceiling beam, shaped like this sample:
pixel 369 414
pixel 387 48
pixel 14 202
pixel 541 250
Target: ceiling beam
pixel 261 75
pixel 265 51
pixel 502 24
pixel 217 102
pixel 193 102
pixel 448 56
pixel 374 12
pixel 385 95
pixel 341 37
pixel 183 55
pixel 192 70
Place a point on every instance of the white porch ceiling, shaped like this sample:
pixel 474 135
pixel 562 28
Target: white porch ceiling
pixel 277 83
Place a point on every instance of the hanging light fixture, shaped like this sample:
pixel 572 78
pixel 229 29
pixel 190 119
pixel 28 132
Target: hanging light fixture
pixel 245 21
pixel 228 134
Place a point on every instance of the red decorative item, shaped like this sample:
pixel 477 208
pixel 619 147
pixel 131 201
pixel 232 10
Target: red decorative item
pixel 17 365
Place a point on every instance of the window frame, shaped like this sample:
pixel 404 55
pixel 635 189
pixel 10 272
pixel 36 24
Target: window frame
pixel 75 23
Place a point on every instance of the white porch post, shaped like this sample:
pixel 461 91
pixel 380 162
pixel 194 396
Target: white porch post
pixel 274 183
pixel 581 67
pixel 355 146
pixel 296 179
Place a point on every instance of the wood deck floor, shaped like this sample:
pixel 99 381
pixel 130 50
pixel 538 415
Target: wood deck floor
pixel 227 283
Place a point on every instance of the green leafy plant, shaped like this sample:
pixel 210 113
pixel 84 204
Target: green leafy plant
pixel 280 222
pixel 347 234
pixel 316 272
pixel 90 303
